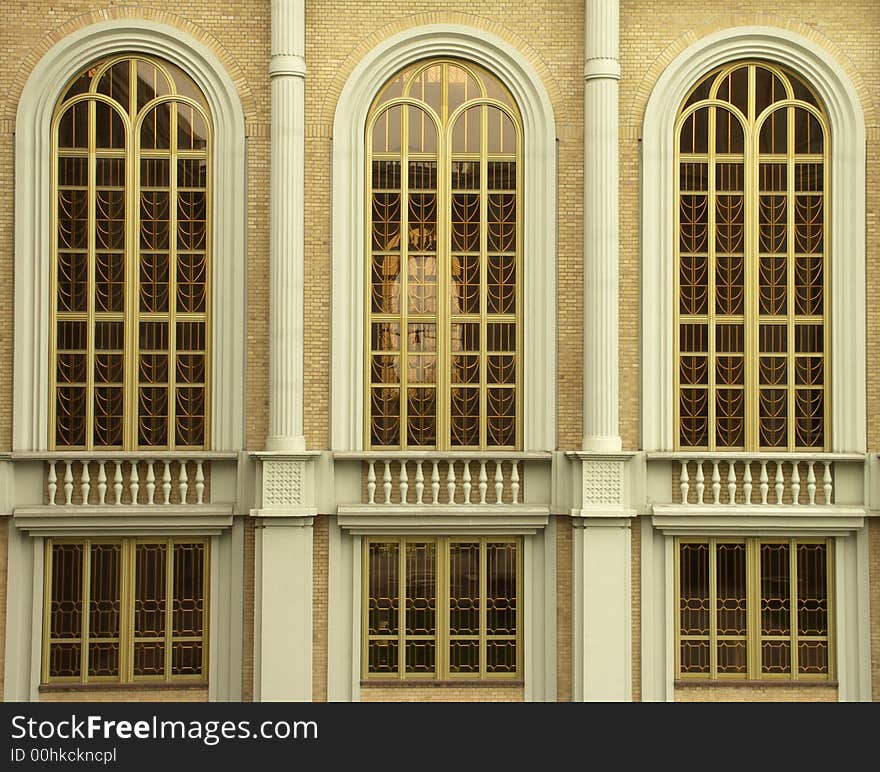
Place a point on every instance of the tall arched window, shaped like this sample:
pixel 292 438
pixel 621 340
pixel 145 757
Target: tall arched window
pixel 444 185
pixel 752 151
pixel 131 158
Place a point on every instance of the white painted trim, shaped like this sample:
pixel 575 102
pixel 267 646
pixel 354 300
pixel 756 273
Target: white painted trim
pixel 225 617
pixel 851 599
pixel 32 218
pixel 21 583
pixel 539 236
pixel 847 215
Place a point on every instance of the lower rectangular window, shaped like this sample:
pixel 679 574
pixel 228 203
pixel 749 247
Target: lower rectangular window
pixel 754 608
pixel 442 608
pixel 125 610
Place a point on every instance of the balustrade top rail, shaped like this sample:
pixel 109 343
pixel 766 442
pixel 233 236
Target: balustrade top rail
pixel 740 455
pixel 109 454
pixel 431 455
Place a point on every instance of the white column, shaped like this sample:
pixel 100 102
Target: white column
pixel 287 71
pixel 601 76
pixel 283 610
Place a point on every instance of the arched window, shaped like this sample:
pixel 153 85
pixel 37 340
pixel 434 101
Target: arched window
pixel 131 259
pixel 752 279
pixel 444 186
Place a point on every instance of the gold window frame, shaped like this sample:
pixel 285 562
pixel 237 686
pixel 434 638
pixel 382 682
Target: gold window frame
pixel 126 638
pixel 442 635
pixel 493 95
pixel 132 315
pixel 754 636
pixel 798 95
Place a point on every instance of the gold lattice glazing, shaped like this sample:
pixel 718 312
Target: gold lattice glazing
pixel 442 608
pixel 752 149
pixel 125 610
pixel 131 153
pixel 754 609
pixel 443 276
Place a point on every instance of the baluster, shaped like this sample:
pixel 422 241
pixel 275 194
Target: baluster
pixel 117 483
pixel 435 483
pixel 133 482
pixel 166 483
pixel 780 482
pixel 747 482
pixel 450 480
pixel 85 482
pixel 183 481
pixel 200 482
pixel 386 481
pixel 420 482
pixel 102 482
pixel 151 481
pixel 483 486
pixel 826 482
pixel 514 481
pixel 764 480
pixel 700 486
pixel 68 483
pixel 716 483
pixel 499 482
pixel 466 482
pixel 731 483
pixel 811 483
pixel 684 479
pixel 404 483
pixel 795 483
pixel 371 482
pixel 53 483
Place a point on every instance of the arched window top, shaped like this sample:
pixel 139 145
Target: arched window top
pixel 443 364
pixel 752 277
pixel 131 259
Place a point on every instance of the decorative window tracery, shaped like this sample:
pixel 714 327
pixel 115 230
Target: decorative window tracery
pixel 442 608
pixel 444 156
pixel 752 279
pixel 754 608
pixel 125 610
pixel 131 149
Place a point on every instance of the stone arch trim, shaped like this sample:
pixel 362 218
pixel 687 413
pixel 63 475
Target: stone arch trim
pixel 374 39
pixel 38 96
pixel 635 110
pixel 348 222
pixel 848 381
pixel 124 13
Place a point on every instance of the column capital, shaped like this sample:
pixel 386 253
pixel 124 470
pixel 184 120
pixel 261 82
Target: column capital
pixel 287 64
pixel 601 67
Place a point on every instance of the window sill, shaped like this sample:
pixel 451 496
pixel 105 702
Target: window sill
pixel 121 687
pixel 744 683
pixel 449 683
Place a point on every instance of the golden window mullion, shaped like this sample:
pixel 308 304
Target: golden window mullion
pixel 172 275
pixel 711 292
pixel 793 620
pixel 484 327
pixel 753 604
pixel 790 283
pixel 90 282
pixel 831 624
pixel 401 614
pixel 404 276
pixel 713 609
pixel 169 611
pixel 87 599
pixel 751 274
pixel 443 367
pixel 131 360
pixel 126 611
pixel 442 615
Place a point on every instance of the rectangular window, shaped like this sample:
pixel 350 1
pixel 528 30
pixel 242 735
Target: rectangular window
pixel 754 608
pixel 442 608
pixel 125 610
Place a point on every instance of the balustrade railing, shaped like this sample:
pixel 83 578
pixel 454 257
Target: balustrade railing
pixel 127 480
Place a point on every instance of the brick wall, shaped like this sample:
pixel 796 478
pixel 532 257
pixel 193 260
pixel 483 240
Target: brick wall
pixel 756 693
pixel 320 579
pixel 140 694
pixel 564 588
pixel 443 693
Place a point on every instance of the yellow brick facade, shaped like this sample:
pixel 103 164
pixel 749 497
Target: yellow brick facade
pixel 759 693
pixel 442 693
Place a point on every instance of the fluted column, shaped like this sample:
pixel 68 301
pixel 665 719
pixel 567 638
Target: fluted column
pixel 601 76
pixel 287 71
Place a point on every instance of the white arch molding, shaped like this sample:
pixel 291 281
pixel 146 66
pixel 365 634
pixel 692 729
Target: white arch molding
pixel 539 222
pixel 847 217
pixel 32 219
